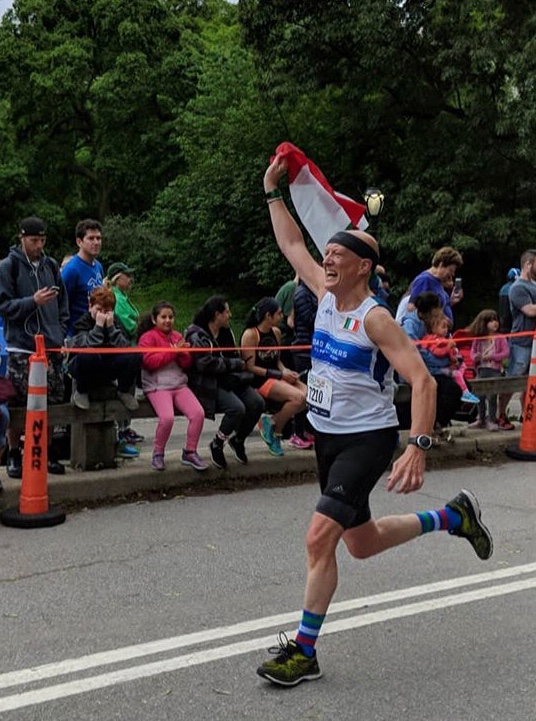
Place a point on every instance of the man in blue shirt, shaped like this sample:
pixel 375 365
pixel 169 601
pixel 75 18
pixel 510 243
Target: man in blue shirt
pixel 83 273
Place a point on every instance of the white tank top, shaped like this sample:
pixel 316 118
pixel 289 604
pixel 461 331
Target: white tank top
pixel 350 387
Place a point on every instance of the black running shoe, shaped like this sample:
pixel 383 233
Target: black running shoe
pixel 218 456
pixel 238 450
pixel 472 527
pixel 291 666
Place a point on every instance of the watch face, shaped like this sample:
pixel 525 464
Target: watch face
pixel 424 442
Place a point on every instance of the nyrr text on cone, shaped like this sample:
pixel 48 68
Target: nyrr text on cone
pixel 34 510
pixel 526 451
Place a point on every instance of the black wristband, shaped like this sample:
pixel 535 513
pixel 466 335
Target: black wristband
pixel 276 193
pixel 273 373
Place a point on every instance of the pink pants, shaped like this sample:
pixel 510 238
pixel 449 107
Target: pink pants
pixel 164 402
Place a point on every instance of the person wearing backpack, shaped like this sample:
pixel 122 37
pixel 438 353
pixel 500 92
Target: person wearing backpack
pixel 33 302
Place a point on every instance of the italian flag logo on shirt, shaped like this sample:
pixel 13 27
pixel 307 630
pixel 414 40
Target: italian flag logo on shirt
pixel 351 324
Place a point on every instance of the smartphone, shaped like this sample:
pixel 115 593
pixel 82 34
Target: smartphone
pixel 457 285
pixel 55 287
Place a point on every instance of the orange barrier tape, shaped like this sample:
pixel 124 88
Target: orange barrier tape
pixel 160 349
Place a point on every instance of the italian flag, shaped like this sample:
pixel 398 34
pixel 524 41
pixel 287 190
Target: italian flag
pixel 321 209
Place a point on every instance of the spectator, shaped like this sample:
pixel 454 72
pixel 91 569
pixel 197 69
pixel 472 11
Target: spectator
pixel 83 273
pixel 165 383
pixel 219 380
pixel 522 296
pixel 100 328
pixel 445 264
pixel 33 301
pixel 305 307
pixel 488 353
pixel 273 380
pixel 285 298
pixel 7 393
pixel 505 314
pixel 119 279
pixel 448 392
pixel 441 355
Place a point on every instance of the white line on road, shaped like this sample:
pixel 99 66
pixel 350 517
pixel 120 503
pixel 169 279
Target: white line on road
pixel 104 658
pixel 71 688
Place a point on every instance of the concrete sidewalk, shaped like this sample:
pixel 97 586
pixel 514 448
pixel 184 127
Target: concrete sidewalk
pixel 135 477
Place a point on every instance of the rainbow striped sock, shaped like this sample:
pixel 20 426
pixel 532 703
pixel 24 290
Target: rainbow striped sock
pixel 308 632
pixel 444 519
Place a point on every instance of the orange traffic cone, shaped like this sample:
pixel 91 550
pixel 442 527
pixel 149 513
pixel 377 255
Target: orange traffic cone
pixel 34 511
pixel 526 451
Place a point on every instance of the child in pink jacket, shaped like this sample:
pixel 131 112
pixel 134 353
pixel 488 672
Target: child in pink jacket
pixel 488 353
pixel 165 384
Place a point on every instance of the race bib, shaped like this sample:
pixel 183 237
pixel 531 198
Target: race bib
pixel 319 391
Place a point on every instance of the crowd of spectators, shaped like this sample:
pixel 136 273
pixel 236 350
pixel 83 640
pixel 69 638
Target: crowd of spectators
pixel 260 381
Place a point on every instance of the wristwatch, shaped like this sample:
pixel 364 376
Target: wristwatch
pixel 422 441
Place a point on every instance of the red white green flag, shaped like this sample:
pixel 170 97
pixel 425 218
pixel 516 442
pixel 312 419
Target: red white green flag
pixel 322 210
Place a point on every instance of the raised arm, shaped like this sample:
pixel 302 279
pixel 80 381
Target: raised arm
pixel 287 233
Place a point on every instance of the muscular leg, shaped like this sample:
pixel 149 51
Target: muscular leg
pixel 374 536
pixel 322 539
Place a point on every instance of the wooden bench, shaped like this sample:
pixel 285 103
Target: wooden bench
pixel 94 436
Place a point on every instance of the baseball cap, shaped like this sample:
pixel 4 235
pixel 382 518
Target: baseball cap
pixel 513 274
pixel 33 226
pixel 117 268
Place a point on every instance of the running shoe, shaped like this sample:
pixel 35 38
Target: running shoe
pixel 132 436
pixel 269 436
pixel 238 449
pixel 472 528
pixel 504 424
pixel 468 397
pixel 296 442
pixel 218 456
pixel 477 424
pixel 266 428
pixel 157 462
pixel 125 450
pixel 492 426
pixel 290 666
pixel 191 458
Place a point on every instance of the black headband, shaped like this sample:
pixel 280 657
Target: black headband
pixel 356 245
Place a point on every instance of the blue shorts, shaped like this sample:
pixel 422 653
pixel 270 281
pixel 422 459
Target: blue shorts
pixel 519 360
pixel 349 466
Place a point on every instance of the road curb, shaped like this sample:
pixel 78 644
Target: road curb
pixel 136 477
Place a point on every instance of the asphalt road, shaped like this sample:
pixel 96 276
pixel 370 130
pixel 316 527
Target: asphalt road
pixel 163 611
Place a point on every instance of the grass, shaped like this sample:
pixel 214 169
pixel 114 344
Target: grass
pixel 187 301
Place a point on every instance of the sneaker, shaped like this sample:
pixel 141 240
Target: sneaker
pixel 56 468
pixel 128 400
pixel 491 426
pixel 301 443
pixel 191 458
pixel 269 437
pixel 132 436
pixel 157 462
pixel 290 666
pixel 266 427
pixel 14 463
pixel 124 450
pixel 477 424
pixel 218 456
pixel 238 450
pixel 472 527
pixel 80 400
pixel 468 397
pixel 504 424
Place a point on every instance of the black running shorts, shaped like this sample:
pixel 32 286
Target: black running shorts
pixel 349 466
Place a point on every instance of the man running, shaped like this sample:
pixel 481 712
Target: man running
pixel 350 399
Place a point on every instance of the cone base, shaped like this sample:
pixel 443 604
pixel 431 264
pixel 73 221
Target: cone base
pixel 15 519
pixel 519 455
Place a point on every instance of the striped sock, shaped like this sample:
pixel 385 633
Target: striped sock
pixel 444 519
pixel 308 632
